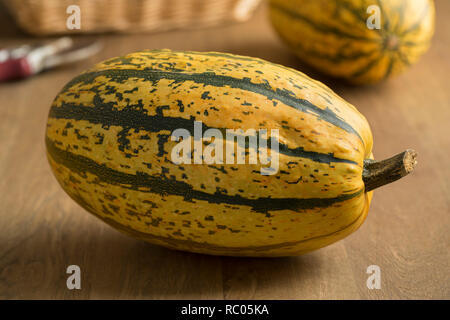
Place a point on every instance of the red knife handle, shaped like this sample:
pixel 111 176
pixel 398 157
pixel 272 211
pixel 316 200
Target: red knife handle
pixel 15 69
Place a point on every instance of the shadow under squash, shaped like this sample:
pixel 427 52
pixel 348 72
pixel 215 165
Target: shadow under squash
pixel 115 266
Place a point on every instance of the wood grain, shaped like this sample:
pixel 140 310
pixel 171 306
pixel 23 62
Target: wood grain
pixel 42 231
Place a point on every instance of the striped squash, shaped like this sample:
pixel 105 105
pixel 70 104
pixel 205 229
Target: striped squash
pixel 108 143
pixel 333 35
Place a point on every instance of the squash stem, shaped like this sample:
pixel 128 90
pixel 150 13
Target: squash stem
pixel 378 173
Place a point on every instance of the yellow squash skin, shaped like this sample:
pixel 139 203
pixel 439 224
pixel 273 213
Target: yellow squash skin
pixel 108 146
pixel 333 37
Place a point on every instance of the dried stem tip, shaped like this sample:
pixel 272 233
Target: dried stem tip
pixel 379 173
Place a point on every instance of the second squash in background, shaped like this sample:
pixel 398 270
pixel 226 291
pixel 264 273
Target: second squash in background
pixel 333 35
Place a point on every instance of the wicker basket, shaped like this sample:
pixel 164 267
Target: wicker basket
pixel 44 17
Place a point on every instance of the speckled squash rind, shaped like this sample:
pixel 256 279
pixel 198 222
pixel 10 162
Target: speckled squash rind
pixel 108 145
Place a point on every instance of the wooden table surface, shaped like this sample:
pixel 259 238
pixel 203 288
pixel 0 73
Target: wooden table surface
pixel 42 231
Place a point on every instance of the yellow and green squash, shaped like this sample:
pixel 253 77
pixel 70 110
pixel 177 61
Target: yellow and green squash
pixel 363 41
pixel 109 146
